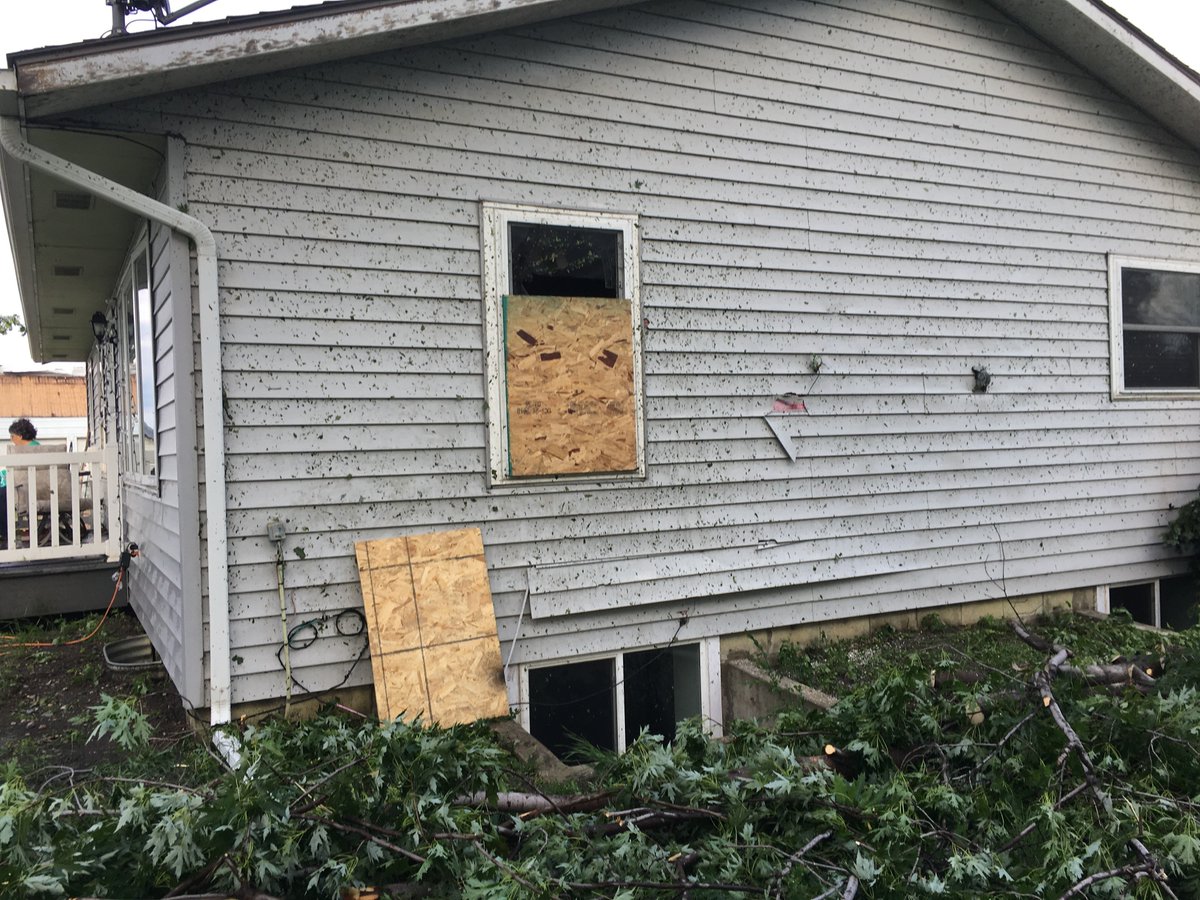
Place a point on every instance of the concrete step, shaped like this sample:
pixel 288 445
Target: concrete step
pixel 54 587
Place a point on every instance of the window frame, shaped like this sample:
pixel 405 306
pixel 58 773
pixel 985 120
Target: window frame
pixel 495 219
pixel 126 307
pixel 1104 595
pixel 1116 321
pixel 710 684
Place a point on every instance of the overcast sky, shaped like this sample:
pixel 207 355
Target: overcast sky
pixel 39 23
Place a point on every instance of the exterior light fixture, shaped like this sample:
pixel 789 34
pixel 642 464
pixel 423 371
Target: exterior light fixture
pixel 99 325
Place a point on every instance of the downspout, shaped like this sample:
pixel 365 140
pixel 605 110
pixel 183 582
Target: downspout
pixel 21 150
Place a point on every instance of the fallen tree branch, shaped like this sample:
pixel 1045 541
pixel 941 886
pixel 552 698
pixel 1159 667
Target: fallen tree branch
pixel 1125 872
pixel 794 858
pixel 1121 672
pixel 363 833
pixel 1041 682
pixel 526 803
pixel 682 886
pixel 1032 826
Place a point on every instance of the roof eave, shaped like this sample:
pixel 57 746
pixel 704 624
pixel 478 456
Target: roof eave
pixel 14 196
pixel 62 80
pixel 1097 39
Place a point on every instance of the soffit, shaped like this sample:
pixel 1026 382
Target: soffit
pixel 69 257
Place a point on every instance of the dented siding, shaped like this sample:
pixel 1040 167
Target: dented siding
pixel 901 194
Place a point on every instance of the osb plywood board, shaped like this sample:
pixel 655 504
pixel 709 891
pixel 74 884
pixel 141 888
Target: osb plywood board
pixel 569 378
pixel 432 628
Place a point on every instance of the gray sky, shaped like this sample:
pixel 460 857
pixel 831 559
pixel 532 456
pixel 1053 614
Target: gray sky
pixel 1175 24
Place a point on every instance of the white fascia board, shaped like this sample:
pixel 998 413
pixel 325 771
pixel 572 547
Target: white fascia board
pixel 1109 49
pixel 70 78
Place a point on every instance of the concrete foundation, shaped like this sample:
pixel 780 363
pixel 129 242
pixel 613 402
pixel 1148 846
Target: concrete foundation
pixel 769 640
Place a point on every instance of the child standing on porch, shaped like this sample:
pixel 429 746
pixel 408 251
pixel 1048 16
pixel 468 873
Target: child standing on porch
pixel 21 432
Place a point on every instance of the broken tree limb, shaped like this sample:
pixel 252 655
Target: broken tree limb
pixel 682 887
pixel 1037 642
pixel 954 677
pixel 782 874
pixel 1032 826
pixel 524 803
pixel 1126 873
pixel 363 833
pixel 1041 682
pixel 1121 672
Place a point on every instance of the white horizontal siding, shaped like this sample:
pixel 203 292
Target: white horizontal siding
pixel 903 191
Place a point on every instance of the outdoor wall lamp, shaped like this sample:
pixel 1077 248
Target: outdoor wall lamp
pixel 99 325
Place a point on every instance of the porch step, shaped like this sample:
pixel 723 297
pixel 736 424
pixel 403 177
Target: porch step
pixel 54 587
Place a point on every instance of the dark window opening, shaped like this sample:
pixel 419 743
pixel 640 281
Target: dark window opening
pixel 1167 603
pixel 1136 599
pixel 1158 359
pixel 561 261
pixel 572 703
pixel 662 687
pixel 577 702
pixel 1177 602
pixel 1160 312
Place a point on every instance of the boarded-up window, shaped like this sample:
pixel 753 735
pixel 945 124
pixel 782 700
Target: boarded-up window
pixel 569 378
pixel 564 361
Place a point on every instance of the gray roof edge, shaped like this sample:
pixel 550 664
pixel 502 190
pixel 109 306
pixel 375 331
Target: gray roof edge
pixel 62 79
pixel 77 76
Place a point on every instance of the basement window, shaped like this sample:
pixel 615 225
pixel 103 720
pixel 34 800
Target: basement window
pixel 608 701
pixel 563 344
pixel 1163 603
pixel 1154 321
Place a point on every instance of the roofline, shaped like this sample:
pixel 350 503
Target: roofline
pixel 1097 38
pixel 160 35
pixel 62 79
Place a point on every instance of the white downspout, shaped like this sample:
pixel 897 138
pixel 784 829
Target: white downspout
pixel 210 379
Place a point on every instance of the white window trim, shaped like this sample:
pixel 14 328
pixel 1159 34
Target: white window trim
pixel 1104 599
pixel 710 685
pixel 1116 328
pixel 126 438
pixel 494 221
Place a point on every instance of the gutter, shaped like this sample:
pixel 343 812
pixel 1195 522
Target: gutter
pixel 15 145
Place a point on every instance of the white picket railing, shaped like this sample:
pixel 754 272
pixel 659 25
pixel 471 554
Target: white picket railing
pixel 84 524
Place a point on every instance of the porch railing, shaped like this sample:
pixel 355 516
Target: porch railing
pixel 61 505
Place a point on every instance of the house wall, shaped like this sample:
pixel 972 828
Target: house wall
pixel 162 519
pixel 901 191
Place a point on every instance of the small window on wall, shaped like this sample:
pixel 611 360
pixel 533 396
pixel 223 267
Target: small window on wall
pixel 608 701
pixel 563 344
pixel 1154 321
pixel 1165 603
pixel 138 399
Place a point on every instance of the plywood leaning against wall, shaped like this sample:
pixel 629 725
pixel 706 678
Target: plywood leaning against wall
pixel 569 377
pixel 432 630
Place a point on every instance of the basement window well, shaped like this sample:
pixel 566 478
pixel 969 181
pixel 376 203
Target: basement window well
pixel 1164 603
pixel 563 344
pixel 607 701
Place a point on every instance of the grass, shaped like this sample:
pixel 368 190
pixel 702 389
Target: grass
pixel 49 694
pixel 989 647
